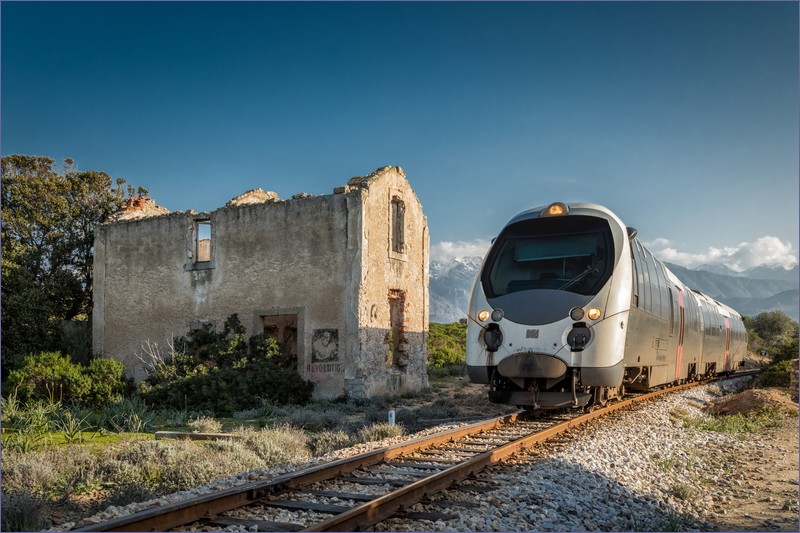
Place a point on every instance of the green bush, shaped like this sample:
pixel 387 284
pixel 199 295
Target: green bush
pixel 776 375
pixel 223 374
pixel 107 381
pixel 224 391
pixel 447 344
pixel 53 377
pixel 49 376
pixel 128 415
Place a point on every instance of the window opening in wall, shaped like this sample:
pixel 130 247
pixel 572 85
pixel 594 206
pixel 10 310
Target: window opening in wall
pixel 284 329
pixel 398 225
pixel 203 241
pixel 395 338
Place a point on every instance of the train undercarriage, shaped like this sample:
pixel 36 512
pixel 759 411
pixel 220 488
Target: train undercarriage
pixel 568 392
pixel 543 393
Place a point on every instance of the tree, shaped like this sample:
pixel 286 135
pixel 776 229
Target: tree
pixel 775 327
pixel 48 227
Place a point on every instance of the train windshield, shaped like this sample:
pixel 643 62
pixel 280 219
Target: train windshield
pixel 572 254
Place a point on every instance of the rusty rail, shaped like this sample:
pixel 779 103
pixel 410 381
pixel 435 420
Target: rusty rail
pixel 186 511
pixel 206 506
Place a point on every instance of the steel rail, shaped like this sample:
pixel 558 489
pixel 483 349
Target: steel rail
pixel 206 506
pixel 186 511
pixel 385 506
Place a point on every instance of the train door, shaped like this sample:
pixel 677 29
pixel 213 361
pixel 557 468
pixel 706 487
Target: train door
pixel 681 329
pixel 727 364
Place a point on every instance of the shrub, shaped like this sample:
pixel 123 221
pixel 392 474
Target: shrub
pixel 53 377
pixel 447 344
pixel 776 375
pixel 328 441
pixel 107 381
pixel 309 418
pixel 24 512
pixel 284 444
pixel 217 373
pixel 204 424
pixel 131 415
pixel 379 431
pixel 227 390
pixel 49 376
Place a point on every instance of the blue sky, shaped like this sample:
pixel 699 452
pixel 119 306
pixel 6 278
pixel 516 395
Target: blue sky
pixel 680 117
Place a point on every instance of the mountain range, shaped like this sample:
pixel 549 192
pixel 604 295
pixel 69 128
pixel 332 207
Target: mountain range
pixel 749 292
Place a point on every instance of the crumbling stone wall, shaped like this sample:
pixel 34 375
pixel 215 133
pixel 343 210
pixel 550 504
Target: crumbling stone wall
pixel 317 270
pixel 391 279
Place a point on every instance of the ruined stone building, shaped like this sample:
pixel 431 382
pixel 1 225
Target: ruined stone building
pixel 341 280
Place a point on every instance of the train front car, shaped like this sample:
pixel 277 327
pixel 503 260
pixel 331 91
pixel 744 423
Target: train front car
pixel 549 308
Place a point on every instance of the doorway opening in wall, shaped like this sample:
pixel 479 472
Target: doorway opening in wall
pixel 284 329
pixel 203 241
pixel 397 356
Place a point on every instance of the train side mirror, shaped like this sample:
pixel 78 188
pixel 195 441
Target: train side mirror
pixel 632 232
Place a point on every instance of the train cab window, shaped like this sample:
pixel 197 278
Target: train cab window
pixel 573 254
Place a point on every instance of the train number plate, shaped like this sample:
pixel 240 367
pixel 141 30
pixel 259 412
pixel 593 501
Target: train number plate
pixel 532 334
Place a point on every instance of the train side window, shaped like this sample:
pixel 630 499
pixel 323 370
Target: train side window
pixel 671 314
pixel 656 282
pixel 639 275
pixel 635 276
pixel 648 284
pixel 659 286
pixel 666 298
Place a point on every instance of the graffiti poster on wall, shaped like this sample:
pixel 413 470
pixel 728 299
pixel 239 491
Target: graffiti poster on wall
pixel 325 345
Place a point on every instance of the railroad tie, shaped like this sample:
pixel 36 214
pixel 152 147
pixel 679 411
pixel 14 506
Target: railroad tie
pixel 262 525
pixel 306 506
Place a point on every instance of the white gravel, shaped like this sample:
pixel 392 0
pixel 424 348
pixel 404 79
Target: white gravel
pixel 639 470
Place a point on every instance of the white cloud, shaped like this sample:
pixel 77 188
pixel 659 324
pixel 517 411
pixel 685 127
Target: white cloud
pixel 767 251
pixel 447 251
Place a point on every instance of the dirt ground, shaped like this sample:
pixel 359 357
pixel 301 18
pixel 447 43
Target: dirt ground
pixel 768 499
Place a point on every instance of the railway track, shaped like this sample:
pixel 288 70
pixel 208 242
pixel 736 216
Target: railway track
pixel 356 492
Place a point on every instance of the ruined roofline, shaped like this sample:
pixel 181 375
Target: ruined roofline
pixel 255 196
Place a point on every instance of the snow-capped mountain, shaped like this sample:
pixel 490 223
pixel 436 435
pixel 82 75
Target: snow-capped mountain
pixel 750 292
pixel 450 284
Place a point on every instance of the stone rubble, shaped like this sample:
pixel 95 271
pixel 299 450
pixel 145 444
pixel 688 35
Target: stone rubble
pixel 637 470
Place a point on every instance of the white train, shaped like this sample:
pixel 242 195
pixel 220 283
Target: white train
pixel 569 309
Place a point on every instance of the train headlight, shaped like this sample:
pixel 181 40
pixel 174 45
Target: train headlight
pixel 576 313
pixel 483 314
pixel 497 315
pixel 593 313
pixel 555 209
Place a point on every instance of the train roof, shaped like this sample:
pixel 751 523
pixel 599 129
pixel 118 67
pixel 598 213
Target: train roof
pixel 582 208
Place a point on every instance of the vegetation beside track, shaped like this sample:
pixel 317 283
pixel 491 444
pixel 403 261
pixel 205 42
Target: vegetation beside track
pixel 63 460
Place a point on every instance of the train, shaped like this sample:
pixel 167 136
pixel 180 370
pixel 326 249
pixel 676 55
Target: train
pixel 570 309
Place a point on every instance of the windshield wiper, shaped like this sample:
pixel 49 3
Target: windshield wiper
pixel 579 277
